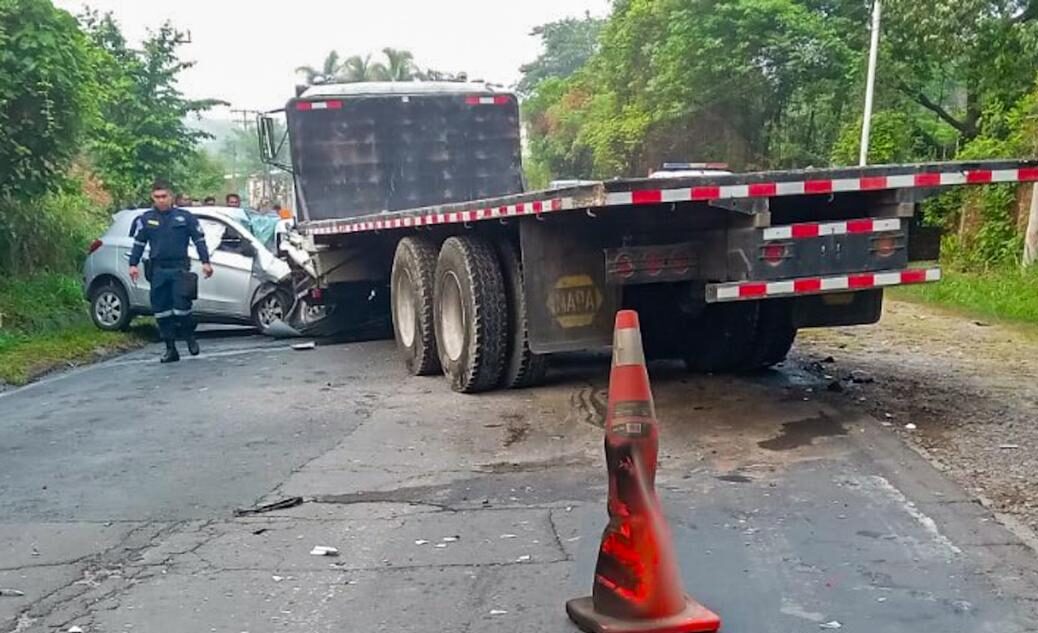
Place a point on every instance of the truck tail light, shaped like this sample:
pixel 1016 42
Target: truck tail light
pixel 96 244
pixel 317 296
pixel 884 246
pixel 773 254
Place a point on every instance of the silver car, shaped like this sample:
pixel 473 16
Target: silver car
pixel 250 285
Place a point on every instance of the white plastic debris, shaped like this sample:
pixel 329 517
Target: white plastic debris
pixel 421 541
pixel 1009 447
pixel 498 612
pixel 524 558
pixel 75 629
pixel 450 539
pixel 277 578
pixel 831 626
pixel 302 347
pixel 10 593
pixel 323 550
pixel 509 536
pixel 911 427
pixel 440 545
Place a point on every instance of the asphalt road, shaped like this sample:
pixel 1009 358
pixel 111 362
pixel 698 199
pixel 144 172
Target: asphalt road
pixel 790 511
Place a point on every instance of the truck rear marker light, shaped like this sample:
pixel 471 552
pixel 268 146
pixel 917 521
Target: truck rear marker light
pixel 810 230
pixel 816 285
pixel 304 106
pixel 774 253
pixel 487 100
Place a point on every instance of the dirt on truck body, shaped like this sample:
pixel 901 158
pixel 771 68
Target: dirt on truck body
pixel 412 204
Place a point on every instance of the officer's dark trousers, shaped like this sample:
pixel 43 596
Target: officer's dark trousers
pixel 171 307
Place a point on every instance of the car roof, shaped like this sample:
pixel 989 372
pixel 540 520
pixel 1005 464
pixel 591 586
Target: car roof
pixel 121 219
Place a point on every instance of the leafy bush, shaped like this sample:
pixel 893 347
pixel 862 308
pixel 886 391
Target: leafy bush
pixel 48 234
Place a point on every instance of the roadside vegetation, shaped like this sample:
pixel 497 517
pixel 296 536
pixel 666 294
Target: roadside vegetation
pixel 86 123
pixel 771 84
pixel 1009 294
pixel 45 326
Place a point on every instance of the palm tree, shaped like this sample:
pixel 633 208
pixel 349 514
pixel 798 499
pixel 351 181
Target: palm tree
pixel 399 65
pixel 329 69
pixel 358 68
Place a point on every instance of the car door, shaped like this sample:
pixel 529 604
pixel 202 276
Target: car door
pixel 228 289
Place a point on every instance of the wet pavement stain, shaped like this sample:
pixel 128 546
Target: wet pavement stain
pixel 735 478
pixel 803 433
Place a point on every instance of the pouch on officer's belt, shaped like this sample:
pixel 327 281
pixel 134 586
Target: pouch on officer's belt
pixel 186 285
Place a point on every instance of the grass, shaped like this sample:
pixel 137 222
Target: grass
pixel 1008 294
pixel 45 325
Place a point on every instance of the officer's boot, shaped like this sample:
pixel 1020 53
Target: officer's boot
pixel 192 344
pixel 171 355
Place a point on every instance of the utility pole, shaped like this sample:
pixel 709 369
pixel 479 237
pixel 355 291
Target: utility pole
pixel 246 117
pixel 1031 236
pixel 870 85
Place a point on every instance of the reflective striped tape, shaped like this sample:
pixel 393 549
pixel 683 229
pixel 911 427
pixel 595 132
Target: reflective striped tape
pixel 436 216
pixel 747 290
pixel 821 186
pixel 627 347
pixel 703 193
pixel 809 230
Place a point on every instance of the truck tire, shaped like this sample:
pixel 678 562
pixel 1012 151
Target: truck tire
pixel 411 298
pixel 775 334
pixel 471 314
pixel 523 368
pixel 722 338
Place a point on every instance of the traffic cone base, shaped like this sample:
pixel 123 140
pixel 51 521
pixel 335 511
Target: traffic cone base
pixel 694 619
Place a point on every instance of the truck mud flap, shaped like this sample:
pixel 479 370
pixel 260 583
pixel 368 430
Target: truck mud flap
pixel 570 305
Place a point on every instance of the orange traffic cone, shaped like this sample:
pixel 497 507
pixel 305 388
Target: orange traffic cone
pixel 637 586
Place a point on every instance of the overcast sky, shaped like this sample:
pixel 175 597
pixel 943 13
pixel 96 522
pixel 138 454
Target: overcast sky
pixel 246 51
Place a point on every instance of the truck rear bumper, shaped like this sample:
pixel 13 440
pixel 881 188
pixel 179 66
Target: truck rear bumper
pixel 850 282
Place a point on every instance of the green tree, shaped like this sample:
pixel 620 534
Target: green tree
pixel 47 95
pixel 567 45
pixel 356 69
pixel 399 65
pixel 142 132
pixel 329 69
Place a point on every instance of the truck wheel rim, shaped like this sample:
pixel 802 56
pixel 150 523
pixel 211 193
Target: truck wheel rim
pixel 452 318
pixel 405 309
pixel 108 308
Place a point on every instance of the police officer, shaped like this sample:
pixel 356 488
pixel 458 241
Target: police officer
pixel 168 229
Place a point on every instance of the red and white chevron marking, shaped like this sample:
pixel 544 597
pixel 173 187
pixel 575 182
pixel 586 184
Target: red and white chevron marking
pixel 434 218
pixel 809 230
pixel 747 290
pixel 806 187
pixel 438 216
pixel 306 106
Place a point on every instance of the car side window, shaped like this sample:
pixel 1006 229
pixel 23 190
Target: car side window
pixel 221 237
pixel 214 232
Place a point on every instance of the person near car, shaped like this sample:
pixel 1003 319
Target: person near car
pixel 233 200
pixel 184 200
pixel 210 201
pixel 167 229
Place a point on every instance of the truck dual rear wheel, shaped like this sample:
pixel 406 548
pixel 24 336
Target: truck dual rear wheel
pixel 740 337
pixel 414 270
pixel 775 334
pixel 523 368
pixel 471 314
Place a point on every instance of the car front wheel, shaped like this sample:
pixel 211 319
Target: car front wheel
pixel 110 308
pixel 271 308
